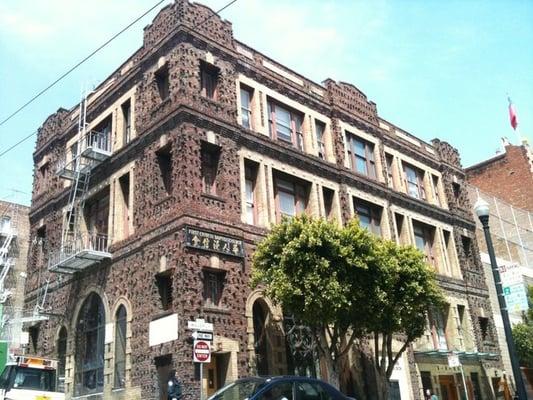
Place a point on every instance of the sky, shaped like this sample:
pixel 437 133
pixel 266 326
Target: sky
pixel 437 69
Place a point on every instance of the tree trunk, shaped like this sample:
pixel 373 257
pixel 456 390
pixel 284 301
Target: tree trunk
pixel 333 373
pixel 382 386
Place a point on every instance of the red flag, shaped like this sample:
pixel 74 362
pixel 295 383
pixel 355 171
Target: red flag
pixel 512 114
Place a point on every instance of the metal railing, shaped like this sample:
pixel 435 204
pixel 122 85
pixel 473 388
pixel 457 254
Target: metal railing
pixel 76 244
pixel 97 141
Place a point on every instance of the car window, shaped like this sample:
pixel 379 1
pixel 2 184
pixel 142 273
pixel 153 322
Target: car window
pixel 311 391
pixel 238 390
pixel 278 391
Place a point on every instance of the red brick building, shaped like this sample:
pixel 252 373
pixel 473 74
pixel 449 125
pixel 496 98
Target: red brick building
pixel 508 176
pixel 152 194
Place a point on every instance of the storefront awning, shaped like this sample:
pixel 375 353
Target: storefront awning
pixel 463 355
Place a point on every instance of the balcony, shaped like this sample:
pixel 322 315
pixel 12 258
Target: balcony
pixel 80 252
pixel 96 145
pixel 68 170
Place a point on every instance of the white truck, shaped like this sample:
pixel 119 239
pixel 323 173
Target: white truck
pixel 30 378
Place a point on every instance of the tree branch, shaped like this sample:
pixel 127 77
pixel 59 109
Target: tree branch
pixel 397 357
pixel 348 345
pixel 376 348
pixel 383 353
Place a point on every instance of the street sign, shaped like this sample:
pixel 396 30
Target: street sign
pixel 202 335
pixel 453 360
pixel 201 352
pixel 514 290
pixel 199 324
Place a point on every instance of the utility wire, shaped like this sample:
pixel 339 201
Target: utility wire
pixel 85 59
pixel 76 66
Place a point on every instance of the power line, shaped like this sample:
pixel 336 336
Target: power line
pixel 85 59
pixel 76 66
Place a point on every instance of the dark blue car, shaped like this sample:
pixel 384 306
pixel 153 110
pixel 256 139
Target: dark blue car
pixel 278 388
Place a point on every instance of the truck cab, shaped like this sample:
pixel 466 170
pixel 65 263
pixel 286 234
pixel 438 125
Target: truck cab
pixel 29 378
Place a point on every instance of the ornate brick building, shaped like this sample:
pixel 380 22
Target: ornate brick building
pixel 151 196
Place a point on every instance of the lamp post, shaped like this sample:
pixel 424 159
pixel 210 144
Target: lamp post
pixel 482 211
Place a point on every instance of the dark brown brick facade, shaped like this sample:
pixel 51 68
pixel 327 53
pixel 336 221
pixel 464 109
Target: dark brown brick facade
pixel 182 123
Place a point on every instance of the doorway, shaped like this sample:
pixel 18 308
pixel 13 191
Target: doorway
pixel 215 372
pixel 447 387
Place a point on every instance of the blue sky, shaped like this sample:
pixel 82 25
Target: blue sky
pixel 435 68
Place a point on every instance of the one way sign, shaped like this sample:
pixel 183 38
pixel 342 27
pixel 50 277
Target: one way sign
pixel 202 335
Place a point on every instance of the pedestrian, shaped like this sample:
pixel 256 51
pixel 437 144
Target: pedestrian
pixel 174 388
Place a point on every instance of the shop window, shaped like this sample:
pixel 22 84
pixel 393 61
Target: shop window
pixel 164 161
pixel 164 287
pixel 246 106
pixel 213 287
pixel 285 125
pixel 209 80
pixel 414 179
pixel 210 158
pixel 126 124
pixel 61 358
pixel 291 197
pixel 120 347
pixel 369 215
pixel 424 235
pixel 89 354
pixel 250 180
pixel 361 156
pixel 320 129
pixel 328 195
pixel 163 82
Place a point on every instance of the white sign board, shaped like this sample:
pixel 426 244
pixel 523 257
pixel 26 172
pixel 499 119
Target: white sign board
pixel 453 360
pixel 513 287
pixel 24 337
pixel 163 330
pixel 199 324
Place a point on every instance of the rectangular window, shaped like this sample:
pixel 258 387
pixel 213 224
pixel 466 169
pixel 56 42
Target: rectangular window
pixel 438 329
pixel 285 125
pixel 435 181
pixel 210 158
pixel 459 323
pixel 456 190
pixel 164 287
pixel 97 216
pixel 414 179
pixel 291 197
pixel 162 82
pixel 209 80
pixel 213 287
pixel 74 150
pixel 424 235
pixel 398 218
pixel 124 183
pixel 246 106
pixel 100 137
pixel 369 215
pixel 484 328
pixel 164 161
pixel 320 128
pixel 361 156
pixel 328 195
pixel 126 118
pixel 389 159
pixel 450 255
pixel 250 177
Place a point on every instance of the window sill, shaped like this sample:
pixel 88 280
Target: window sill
pixel 213 197
pixel 217 309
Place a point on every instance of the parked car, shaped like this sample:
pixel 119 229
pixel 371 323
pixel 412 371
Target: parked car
pixel 278 388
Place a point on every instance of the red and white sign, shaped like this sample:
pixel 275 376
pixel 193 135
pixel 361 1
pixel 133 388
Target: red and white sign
pixel 201 351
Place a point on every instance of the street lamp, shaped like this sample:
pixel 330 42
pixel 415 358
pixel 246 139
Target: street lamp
pixel 482 211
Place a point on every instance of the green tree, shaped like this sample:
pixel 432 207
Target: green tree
pixel 347 285
pixel 523 334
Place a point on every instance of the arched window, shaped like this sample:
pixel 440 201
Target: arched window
pixel 90 337
pixel 120 347
pixel 61 358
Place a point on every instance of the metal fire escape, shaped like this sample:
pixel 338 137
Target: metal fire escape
pixel 81 248
pixel 8 248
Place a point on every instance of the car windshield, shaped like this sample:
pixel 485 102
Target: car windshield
pixel 239 390
pixel 34 379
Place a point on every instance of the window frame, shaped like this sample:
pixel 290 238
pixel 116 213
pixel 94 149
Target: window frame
pixel 209 79
pixel 320 132
pixel 373 212
pixel 416 181
pixel 250 197
pixel 427 233
pixel 162 80
pixel 209 160
pixel 297 190
pixel 296 119
pixel 121 326
pixel 126 121
pixel 246 110
pixel 368 158
pixel 213 294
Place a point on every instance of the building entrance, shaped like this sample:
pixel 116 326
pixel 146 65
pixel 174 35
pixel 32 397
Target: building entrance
pixel 447 387
pixel 215 372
